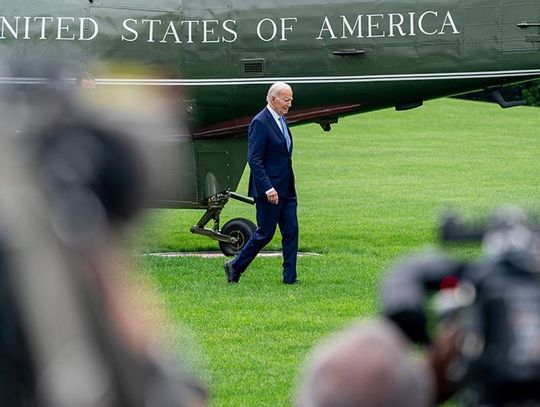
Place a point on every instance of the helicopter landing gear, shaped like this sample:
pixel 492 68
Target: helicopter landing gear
pixel 234 234
pixel 241 230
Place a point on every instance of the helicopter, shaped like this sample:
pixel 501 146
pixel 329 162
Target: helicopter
pixel 342 57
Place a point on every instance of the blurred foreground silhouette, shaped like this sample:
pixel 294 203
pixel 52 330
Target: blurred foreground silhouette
pixel 72 180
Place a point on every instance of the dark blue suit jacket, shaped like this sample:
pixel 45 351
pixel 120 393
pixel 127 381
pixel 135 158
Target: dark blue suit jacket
pixel 268 158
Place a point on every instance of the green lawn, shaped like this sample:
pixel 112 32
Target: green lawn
pixel 370 190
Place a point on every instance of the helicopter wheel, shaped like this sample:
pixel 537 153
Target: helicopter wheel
pixel 241 229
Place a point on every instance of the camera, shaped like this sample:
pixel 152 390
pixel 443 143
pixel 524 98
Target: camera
pixel 494 300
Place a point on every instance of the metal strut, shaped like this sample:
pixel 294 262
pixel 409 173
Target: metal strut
pixel 216 204
pixel 494 92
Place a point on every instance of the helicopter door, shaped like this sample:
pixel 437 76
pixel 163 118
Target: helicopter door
pixel 520 30
pixel 136 31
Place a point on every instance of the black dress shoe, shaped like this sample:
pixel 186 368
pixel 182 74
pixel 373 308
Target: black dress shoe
pixel 232 275
pixel 294 282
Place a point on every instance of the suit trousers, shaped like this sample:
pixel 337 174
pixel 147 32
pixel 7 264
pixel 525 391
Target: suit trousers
pixel 269 216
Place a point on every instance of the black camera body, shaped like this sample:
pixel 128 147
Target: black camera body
pixel 495 302
pixel 500 350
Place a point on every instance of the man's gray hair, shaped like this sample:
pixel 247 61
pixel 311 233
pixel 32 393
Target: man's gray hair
pixel 277 88
pixel 366 365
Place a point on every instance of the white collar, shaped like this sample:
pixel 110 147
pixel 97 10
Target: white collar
pixel 275 115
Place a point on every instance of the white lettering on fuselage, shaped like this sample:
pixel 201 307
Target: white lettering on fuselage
pixel 58 28
pixel 210 31
pixel 388 25
pixel 215 31
pixel 285 25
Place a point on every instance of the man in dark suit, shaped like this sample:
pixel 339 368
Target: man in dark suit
pixel 271 183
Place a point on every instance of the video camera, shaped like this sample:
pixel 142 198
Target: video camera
pixel 495 301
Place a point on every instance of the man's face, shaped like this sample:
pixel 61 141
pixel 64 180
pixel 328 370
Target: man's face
pixel 282 101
